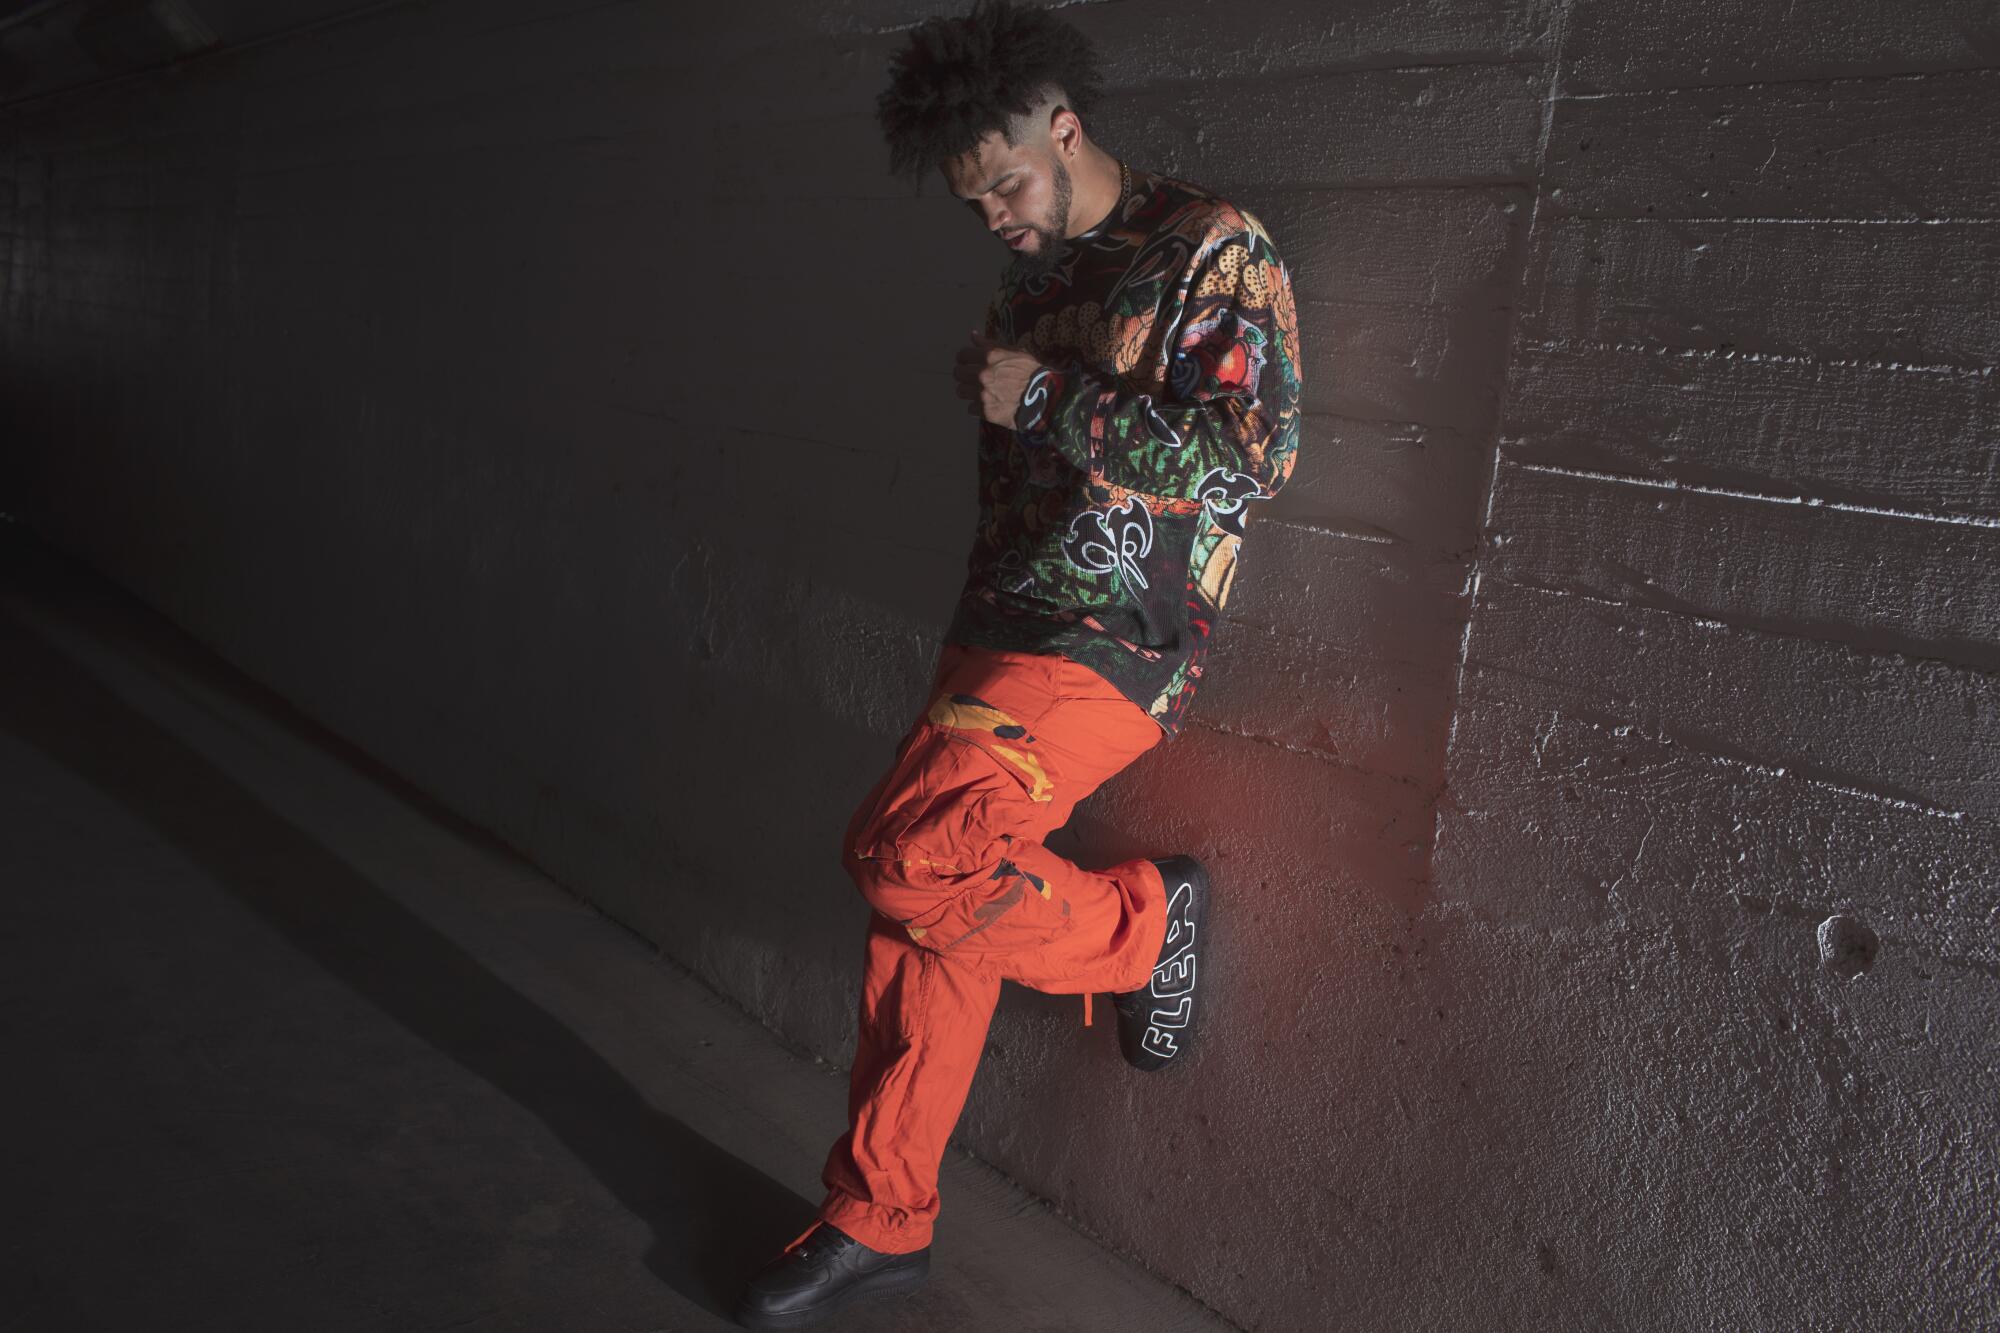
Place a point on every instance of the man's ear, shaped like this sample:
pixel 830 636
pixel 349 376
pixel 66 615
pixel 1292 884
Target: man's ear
pixel 1063 126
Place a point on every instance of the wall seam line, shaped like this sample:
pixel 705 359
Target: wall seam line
pixel 1551 95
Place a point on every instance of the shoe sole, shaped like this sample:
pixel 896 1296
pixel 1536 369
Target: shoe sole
pixel 890 1282
pixel 1190 877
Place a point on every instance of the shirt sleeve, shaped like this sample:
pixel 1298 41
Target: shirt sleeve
pixel 1226 426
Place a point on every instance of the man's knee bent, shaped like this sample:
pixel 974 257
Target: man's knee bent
pixel 903 876
pixel 936 826
pixel 885 879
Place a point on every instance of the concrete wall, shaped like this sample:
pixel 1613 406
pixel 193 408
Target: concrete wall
pixel 554 398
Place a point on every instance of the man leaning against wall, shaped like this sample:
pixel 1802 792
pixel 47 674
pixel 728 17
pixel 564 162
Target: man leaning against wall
pixel 1136 388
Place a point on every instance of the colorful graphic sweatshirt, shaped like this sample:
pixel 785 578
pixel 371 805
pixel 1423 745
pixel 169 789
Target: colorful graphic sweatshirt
pixel 1111 515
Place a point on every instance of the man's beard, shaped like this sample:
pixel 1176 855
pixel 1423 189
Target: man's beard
pixel 1050 243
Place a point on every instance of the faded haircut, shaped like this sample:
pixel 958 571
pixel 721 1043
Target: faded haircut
pixel 958 80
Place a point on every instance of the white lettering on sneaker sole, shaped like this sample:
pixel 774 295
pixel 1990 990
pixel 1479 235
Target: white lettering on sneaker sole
pixel 1173 977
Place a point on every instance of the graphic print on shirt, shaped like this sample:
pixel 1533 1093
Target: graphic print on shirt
pixel 1162 259
pixel 1111 541
pixel 1015 571
pixel 1043 386
pixel 1221 348
pixel 1222 494
pixel 1213 565
pixel 1113 506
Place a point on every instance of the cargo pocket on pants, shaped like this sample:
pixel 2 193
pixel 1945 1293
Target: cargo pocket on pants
pixel 936 846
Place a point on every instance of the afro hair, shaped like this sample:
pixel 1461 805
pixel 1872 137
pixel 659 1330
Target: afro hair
pixel 959 79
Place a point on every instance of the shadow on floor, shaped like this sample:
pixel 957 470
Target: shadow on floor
pixel 713 1217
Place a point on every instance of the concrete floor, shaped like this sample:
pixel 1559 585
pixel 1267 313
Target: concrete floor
pixel 291 1048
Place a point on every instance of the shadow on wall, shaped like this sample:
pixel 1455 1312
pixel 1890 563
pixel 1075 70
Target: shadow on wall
pixel 711 1215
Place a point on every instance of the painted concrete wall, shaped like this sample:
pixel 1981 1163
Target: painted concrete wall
pixel 554 398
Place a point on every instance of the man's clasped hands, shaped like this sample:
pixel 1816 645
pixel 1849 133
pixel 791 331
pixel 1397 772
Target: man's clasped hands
pixel 991 377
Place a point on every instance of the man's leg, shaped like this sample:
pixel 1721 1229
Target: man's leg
pixel 923 1026
pixel 947 848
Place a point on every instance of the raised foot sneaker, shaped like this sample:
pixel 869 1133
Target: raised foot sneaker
pixel 1154 1021
pixel 819 1273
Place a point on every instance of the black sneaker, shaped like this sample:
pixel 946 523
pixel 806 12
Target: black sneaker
pixel 1154 1021
pixel 820 1272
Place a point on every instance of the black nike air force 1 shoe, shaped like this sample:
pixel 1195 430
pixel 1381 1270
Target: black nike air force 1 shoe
pixel 1154 1021
pixel 819 1273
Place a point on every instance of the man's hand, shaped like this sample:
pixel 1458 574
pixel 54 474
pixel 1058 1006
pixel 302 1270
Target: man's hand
pixel 991 377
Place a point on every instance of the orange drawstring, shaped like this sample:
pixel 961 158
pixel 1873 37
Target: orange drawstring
pixel 1086 1008
pixel 803 1234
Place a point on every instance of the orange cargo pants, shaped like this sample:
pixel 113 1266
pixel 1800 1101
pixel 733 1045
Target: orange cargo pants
pixel 947 849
